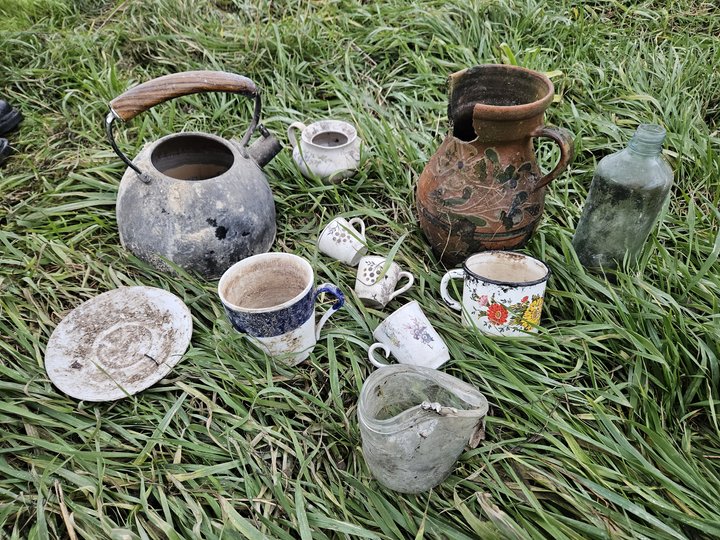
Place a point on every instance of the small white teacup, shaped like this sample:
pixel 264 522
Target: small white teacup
pixel 328 149
pixel 409 336
pixel 341 240
pixel 376 288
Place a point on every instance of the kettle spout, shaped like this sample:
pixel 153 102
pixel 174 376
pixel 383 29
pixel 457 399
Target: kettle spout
pixel 263 150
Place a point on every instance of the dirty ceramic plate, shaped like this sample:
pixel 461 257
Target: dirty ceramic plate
pixel 118 343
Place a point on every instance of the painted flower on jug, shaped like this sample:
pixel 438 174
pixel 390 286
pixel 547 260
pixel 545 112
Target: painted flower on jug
pixel 497 314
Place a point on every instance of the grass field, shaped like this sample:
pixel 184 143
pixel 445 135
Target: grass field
pixel 604 425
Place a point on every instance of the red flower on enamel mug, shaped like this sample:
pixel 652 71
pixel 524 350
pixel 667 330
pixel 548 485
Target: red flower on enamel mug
pixel 497 314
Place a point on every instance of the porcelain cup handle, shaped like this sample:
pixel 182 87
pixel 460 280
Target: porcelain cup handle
pixel 411 280
pixel 292 136
pixel 371 354
pixel 360 222
pixel 335 291
pixel 457 273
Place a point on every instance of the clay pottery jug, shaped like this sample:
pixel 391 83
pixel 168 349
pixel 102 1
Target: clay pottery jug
pixel 482 189
pixel 194 200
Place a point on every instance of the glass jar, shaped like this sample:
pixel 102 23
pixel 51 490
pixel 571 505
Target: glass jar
pixel 626 196
pixel 415 423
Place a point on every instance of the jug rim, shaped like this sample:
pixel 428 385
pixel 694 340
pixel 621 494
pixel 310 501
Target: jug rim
pixel 329 122
pixel 398 422
pixel 506 112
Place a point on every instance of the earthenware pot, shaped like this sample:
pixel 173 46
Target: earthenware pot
pixel 482 188
pixel 328 149
pixel 194 200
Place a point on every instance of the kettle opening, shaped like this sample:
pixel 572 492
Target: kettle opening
pixel 192 157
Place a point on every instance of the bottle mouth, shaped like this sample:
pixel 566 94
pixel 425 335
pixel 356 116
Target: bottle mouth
pixel 650 133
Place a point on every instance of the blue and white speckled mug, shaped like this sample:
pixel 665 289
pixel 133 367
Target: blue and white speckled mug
pixel 271 298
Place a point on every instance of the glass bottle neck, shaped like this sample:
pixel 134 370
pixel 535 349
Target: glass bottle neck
pixel 648 140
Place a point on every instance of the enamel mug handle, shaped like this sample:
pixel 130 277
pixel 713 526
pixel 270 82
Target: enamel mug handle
pixel 411 280
pixel 335 291
pixel 292 136
pixel 457 273
pixel 371 354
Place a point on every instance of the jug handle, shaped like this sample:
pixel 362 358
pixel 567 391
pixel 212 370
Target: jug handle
pixel 148 94
pixel 564 140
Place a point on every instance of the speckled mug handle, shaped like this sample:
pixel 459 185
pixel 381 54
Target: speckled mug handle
pixel 335 291
pixel 360 222
pixel 411 280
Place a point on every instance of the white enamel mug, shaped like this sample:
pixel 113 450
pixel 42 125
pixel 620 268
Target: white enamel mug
pixel 376 288
pixel 503 292
pixel 409 336
pixel 344 240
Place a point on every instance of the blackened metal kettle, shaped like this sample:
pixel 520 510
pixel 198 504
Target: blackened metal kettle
pixel 194 200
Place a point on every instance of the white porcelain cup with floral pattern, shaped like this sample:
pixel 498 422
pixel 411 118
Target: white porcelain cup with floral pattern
pixel 328 149
pixel 375 285
pixel 344 240
pixel 502 294
pixel 409 336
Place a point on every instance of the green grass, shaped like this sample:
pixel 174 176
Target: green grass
pixel 605 425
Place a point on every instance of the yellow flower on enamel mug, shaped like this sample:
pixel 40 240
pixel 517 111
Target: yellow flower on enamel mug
pixel 531 317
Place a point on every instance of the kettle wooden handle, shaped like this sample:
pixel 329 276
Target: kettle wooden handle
pixel 146 95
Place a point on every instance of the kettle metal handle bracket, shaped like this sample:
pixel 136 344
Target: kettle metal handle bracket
pixel 151 93
pixel 109 120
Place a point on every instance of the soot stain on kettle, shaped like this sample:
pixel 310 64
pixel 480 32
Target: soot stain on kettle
pixel 220 231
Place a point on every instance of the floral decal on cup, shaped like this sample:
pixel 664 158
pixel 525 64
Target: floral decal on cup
pixel 419 331
pixel 392 337
pixel 497 313
pixel 531 315
pixel 524 314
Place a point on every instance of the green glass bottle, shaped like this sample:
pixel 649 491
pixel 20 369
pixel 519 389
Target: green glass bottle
pixel 627 193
